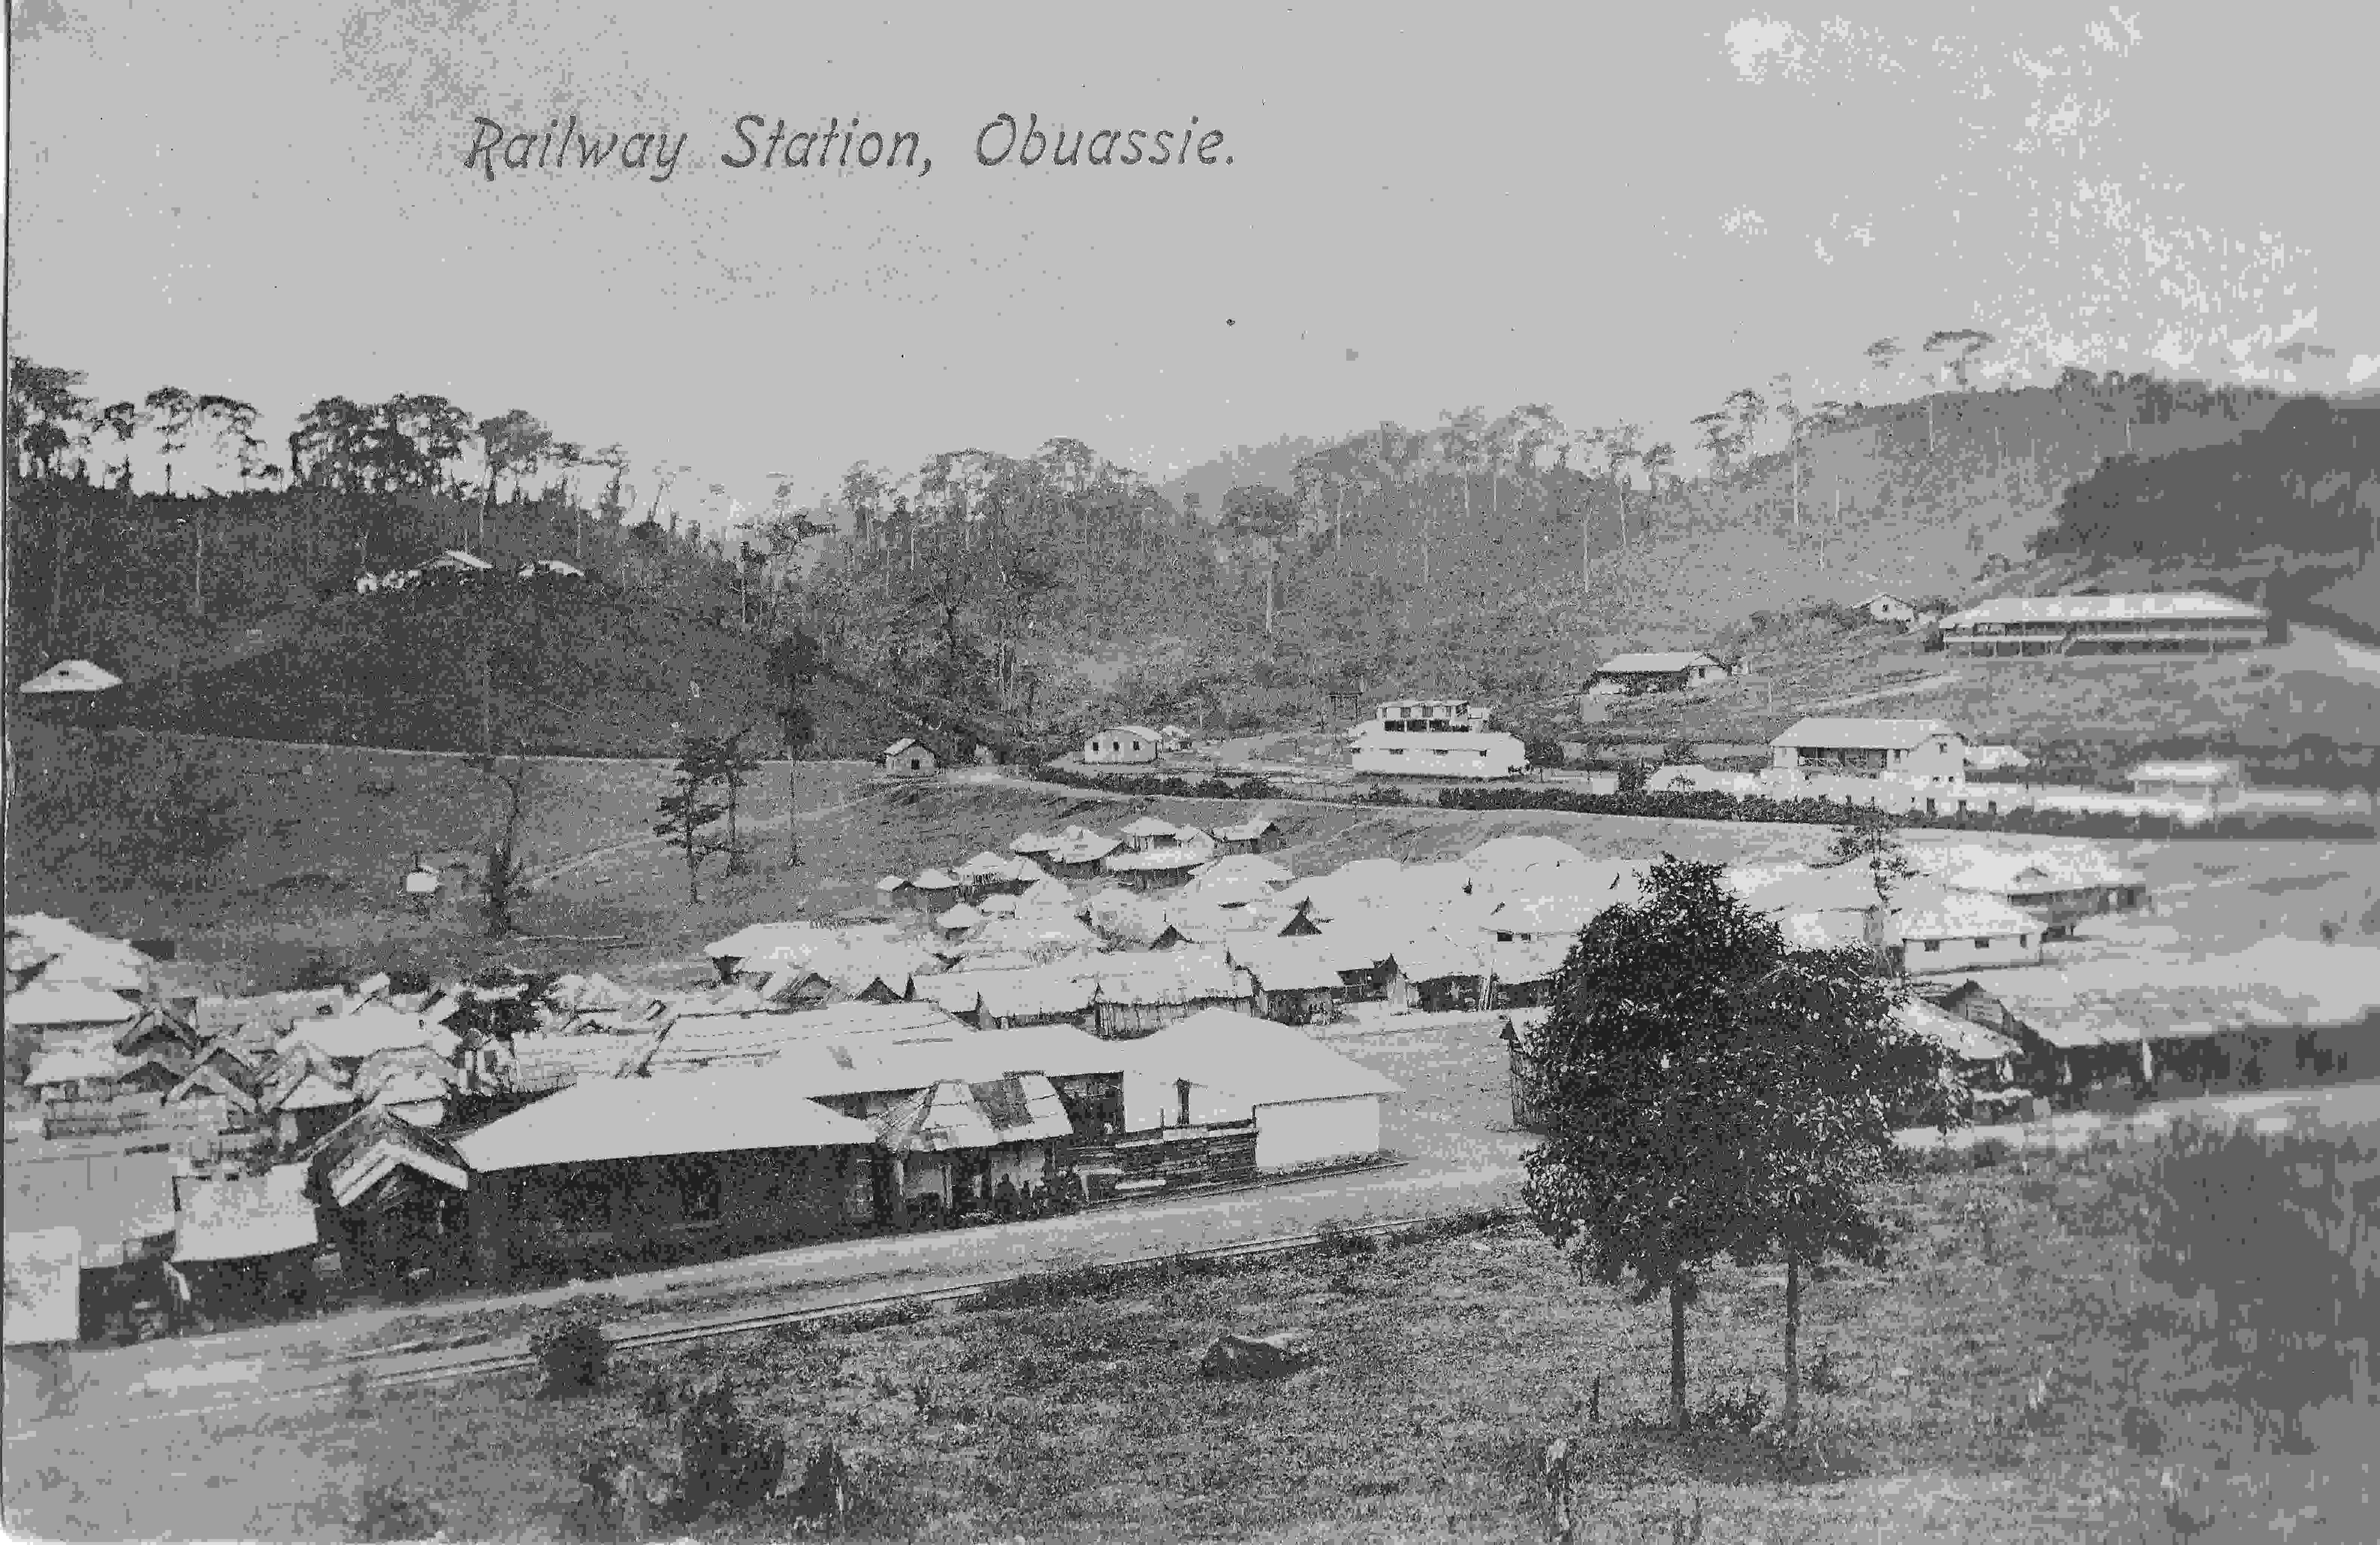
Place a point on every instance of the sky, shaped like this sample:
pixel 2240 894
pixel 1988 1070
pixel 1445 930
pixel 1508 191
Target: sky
pixel 1623 212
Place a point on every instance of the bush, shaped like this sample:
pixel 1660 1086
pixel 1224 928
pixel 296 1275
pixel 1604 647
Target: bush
pixel 1337 1239
pixel 1542 751
pixel 394 1511
pixel 726 1461
pixel 1738 1412
pixel 568 1343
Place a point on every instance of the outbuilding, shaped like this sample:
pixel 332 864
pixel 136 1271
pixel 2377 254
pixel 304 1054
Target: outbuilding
pixel 1125 745
pixel 907 758
pixel 1671 671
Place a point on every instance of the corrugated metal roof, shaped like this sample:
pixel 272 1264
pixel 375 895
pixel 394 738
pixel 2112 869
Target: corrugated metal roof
pixel 45 1004
pixel 1286 964
pixel 1149 826
pixel 1863 734
pixel 935 879
pixel 237 1220
pixel 2103 608
pixel 44 1299
pixel 955 1115
pixel 111 1199
pixel 1656 663
pixel 1248 830
pixel 1436 957
pixel 714 1111
pixel 74 1064
pixel 1253 1060
pixel 695 1041
pixel 1934 912
pixel 1962 1038
pixel 1166 977
pixel 373 1027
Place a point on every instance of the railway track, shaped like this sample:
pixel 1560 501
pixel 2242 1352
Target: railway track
pixel 927 1298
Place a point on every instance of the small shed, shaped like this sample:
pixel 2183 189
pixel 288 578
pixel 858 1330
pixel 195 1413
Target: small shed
pixel 72 679
pixel 1125 745
pixel 1256 834
pixel 1881 607
pixel 974 1147
pixel 907 758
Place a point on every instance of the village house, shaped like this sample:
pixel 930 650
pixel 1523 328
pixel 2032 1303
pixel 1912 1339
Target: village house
pixel 1141 993
pixel 907 758
pixel 1310 1105
pixel 2059 885
pixel 1296 980
pixel 935 892
pixel 1922 753
pixel 964 1149
pixel 1256 834
pixel 396 1198
pixel 1078 853
pixel 1942 930
pixel 1432 973
pixel 1520 973
pixel 1126 745
pixel 1882 607
pixel 1671 671
pixel 2177 622
pixel 632 1169
pixel 2208 783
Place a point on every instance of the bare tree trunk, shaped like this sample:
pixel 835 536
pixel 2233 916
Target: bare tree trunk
pixel 199 562
pixel 1792 1334
pixel 1678 1355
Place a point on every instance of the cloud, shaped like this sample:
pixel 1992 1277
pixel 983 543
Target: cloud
pixel 1744 221
pixel 1762 45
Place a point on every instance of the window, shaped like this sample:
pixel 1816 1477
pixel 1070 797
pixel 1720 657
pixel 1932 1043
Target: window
pixel 1135 745
pixel 1933 946
pixel 1396 750
pixel 915 765
pixel 1439 752
pixel 1982 943
pixel 2024 940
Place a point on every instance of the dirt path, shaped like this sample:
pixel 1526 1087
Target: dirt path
pixel 542 878
pixel 1906 689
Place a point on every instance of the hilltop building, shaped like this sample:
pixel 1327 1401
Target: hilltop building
pixel 1434 739
pixel 1125 745
pixel 1919 752
pixel 2181 622
pixel 1628 674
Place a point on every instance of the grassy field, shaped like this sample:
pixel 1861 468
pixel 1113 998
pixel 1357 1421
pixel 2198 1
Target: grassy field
pixel 312 843
pixel 2008 1374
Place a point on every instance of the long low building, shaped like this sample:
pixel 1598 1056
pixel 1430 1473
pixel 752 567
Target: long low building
pixel 2182 621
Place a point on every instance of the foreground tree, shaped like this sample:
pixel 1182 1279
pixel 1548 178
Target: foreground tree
pixel 506 876
pixel 736 767
pixel 1711 1093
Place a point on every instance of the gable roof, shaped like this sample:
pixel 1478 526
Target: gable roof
pixel 1254 1060
pixel 1150 826
pixel 900 746
pixel 74 1064
pixel 373 1027
pixel 1661 663
pixel 1286 964
pixel 1933 911
pixel 72 675
pixel 1528 960
pixel 1168 977
pixel 935 879
pixel 955 1114
pixel 1247 830
pixel 51 1005
pixel 1864 733
pixel 713 1110
pixel 360 1152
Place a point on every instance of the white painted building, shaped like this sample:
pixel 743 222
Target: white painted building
pixel 1310 1105
pixel 1920 753
pixel 1434 739
pixel 1122 746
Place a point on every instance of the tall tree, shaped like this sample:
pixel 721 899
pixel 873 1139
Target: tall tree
pixel 46 408
pixel 1683 1123
pixel 688 811
pixel 736 766
pixel 1659 458
pixel 1959 347
pixel 1750 411
pixel 793 666
pixel 172 411
pixel 506 874
pixel 1719 439
pixel 1620 452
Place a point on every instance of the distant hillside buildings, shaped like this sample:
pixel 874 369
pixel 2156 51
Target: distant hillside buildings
pixel 2182 622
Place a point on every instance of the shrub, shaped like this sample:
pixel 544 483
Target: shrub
pixel 568 1343
pixel 726 1461
pixel 1336 1239
pixel 394 1511
pixel 1824 1375
pixel 1542 751
pixel 1738 1412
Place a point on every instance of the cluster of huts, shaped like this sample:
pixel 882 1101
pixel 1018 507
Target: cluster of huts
pixel 455 565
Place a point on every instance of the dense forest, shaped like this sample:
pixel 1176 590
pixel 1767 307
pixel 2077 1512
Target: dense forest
pixel 995 596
